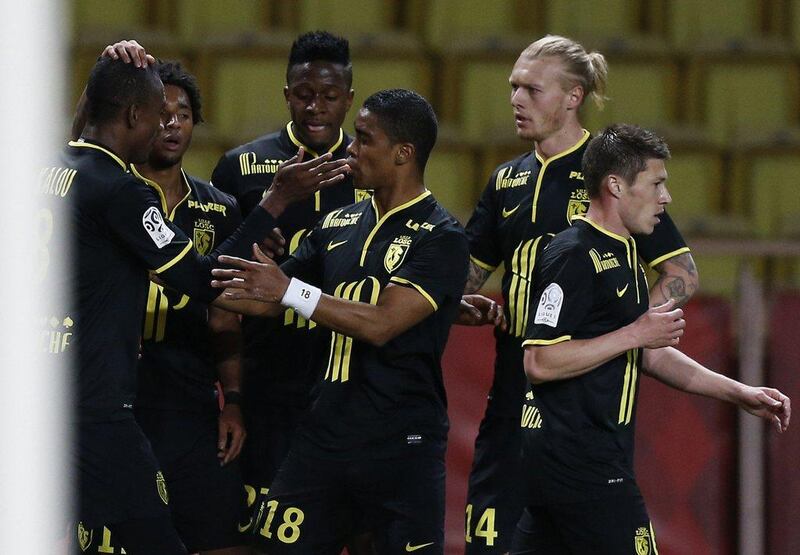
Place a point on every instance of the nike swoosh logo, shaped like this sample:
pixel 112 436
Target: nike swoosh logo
pixel 333 245
pixel 410 548
pixel 507 213
pixel 620 293
pixel 245 527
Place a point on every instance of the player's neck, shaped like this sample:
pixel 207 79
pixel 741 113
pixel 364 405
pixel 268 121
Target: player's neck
pixel 170 179
pixel 606 216
pixel 388 198
pixel 108 137
pixel 563 139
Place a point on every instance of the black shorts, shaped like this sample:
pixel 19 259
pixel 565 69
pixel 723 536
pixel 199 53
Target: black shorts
pixel 119 478
pixel 206 501
pixel 270 430
pixel 611 526
pixel 315 506
pixel 494 495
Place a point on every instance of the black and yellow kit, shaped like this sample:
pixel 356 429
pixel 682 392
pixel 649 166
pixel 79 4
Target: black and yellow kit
pixel 116 233
pixel 578 433
pixel 526 201
pixel 277 379
pixel 374 403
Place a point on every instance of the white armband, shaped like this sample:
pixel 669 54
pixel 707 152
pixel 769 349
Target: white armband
pixel 302 297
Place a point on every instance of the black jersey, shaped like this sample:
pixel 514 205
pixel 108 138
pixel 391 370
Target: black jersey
pixel 578 433
pixel 526 201
pixel 177 369
pixel 116 233
pixel 275 355
pixel 374 401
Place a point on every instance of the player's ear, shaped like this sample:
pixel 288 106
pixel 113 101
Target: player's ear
pixel 132 115
pixel 286 94
pixel 575 98
pixel 404 154
pixel 350 99
pixel 614 185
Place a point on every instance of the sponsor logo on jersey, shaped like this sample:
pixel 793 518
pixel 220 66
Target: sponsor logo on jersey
pixel 411 224
pixel 161 486
pixel 208 206
pixel 249 165
pixel 576 175
pixel 410 548
pixel 507 213
pixel 339 218
pixel 203 236
pixel 56 334
pixel 362 194
pixel 549 308
pixel 84 537
pixel 154 225
pixel 603 262
pixel 642 541
pixel 505 181
pixel 396 253
pixel 332 245
pixel 621 292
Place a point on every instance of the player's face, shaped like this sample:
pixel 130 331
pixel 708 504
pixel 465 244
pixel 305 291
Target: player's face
pixel 540 103
pixel 318 98
pixel 147 127
pixel 643 202
pixel 371 153
pixel 173 141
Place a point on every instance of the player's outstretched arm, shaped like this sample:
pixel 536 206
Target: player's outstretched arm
pixel 679 371
pixel 658 327
pixel 398 308
pixel 677 279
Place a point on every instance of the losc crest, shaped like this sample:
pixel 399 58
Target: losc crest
pixel 84 537
pixel 642 541
pixel 203 236
pixel 396 253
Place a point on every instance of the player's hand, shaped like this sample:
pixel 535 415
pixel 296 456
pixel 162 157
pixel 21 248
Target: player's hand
pixel 130 52
pixel 477 310
pixel 273 244
pixel 660 326
pixel 767 403
pixel 296 180
pixel 231 433
pixel 259 280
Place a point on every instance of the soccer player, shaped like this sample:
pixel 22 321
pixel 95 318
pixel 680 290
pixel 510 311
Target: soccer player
pixel 589 336
pixel 187 346
pixel 526 201
pixel 277 377
pixel 369 457
pixel 113 226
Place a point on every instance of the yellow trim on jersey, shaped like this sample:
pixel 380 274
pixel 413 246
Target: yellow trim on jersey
pixel 540 342
pixel 601 229
pixel 385 217
pixel 653 538
pixel 84 144
pixel 175 260
pixel 484 265
pixel 160 191
pixel 546 163
pixel 419 289
pixel 299 144
pixel 628 388
pixel 667 256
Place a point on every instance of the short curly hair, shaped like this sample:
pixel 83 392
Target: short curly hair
pixel 173 73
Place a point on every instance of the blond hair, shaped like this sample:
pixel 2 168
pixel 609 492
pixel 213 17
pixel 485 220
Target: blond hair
pixel 587 70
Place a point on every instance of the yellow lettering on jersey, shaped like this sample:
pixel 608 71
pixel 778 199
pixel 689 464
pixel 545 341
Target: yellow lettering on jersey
pixel 56 181
pixel 505 181
pixel 411 224
pixel 249 166
pixel 531 417
pixel 576 175
pixel 208 206
pixel 339 219
pixel 522 264
pixel 341 345
pixel 628 388
pixel 603 262
pixel 56 339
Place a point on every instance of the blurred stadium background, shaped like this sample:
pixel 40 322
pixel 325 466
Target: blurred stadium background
pixel 719 79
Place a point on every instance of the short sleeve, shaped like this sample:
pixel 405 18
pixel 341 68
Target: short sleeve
pixel 664 243
pixel 562 296
pixel 436 267
pixel 484 248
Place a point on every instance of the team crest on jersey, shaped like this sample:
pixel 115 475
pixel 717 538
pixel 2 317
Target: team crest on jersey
pixel 153 223
pixel 578 204
pixel 161 486
pixel 642 541
pixel 203 236
pixel 84 537
pixel 363 194
pixel 396 253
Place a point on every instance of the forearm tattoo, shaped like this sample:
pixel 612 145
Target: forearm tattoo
pixel 677 280
pixel 477 277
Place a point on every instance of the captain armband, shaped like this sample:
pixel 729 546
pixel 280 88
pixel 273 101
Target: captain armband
pixel 302 297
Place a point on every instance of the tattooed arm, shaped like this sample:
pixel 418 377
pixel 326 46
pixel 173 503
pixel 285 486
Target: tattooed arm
pixel 677 279
pixel 477 277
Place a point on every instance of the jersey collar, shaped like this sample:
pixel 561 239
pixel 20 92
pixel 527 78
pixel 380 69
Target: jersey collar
pixel 83 143
pixel 601 229
pixel 160 191
pixel 299 144
pixel 380 221
pixel 566 152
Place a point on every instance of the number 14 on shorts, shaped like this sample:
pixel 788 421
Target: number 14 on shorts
pixel 484 527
